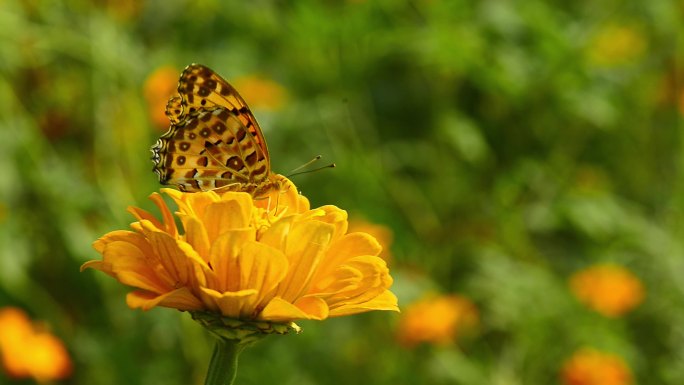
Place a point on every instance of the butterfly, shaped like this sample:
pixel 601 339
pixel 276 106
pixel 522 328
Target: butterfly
pixel 214 142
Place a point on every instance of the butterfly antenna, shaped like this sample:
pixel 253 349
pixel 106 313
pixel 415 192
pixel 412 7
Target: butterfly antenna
pixel 331 165
pixel 314 160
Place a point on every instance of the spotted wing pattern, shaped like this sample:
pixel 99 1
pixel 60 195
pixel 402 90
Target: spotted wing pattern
pixel 214 141
pixel 174 109
pixel 201 89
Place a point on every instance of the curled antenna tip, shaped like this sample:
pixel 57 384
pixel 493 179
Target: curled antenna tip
pixel 333 165
pixel 317 157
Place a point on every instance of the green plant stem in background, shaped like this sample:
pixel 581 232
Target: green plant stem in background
pixel 224 361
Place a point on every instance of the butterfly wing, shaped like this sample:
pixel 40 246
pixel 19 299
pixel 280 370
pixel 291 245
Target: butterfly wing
pixel 213 149
pixel 214 140
pixel 174 109
pixel 201 89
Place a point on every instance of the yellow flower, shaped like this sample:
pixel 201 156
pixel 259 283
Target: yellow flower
pixel 158 88
pixel 260 92
pixel 28 352
pixel 615 45
pixel 609 289
pixel 591 367
pixel 382 233
pixel 439 320
pixel 272 259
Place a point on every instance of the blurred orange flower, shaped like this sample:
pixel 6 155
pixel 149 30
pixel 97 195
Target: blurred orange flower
pixel 382 233
pixel 158 88
pixel 260 92
pixel 29 352
pixel 616 45
pixel 591 367
pixel 272 259
pixel 438 320
pixel 609 289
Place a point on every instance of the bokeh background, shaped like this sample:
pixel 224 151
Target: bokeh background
pixel 521 162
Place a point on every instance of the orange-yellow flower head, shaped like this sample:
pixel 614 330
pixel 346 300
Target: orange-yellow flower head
pixel 29 352
pixel 438 320
pixel 591 367
pixel 268 259
pixel 609 289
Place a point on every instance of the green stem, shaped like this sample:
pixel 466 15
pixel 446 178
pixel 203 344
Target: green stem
pixel 223 365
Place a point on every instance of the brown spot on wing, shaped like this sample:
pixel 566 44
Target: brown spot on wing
pixel 235 163
pixel 251 159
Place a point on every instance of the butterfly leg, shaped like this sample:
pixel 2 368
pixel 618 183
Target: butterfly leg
pixel 226 188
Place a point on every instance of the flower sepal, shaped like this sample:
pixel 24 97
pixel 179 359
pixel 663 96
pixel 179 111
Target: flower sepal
pixel 241 331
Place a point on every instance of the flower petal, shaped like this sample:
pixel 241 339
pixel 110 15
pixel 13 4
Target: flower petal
pixel 130 265
pixel 193 204
pixel 334 216
pixel 181 299
pixel 178 258
pixel 233 304
pixel 224 259
pixel 227 214
pixel 121 235
pixel 261 268
pixel 168 225
pixel 196 235
pixel 385 301
pixel 280 310
pixel 276 235
pixel 359 281
pixel 305 248
pixel 345 248
pixel 240 263
pixel 315 307
pixel 137 240
pixel 223 275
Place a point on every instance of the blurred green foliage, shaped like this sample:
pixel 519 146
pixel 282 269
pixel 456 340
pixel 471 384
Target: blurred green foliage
pixel 506 144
